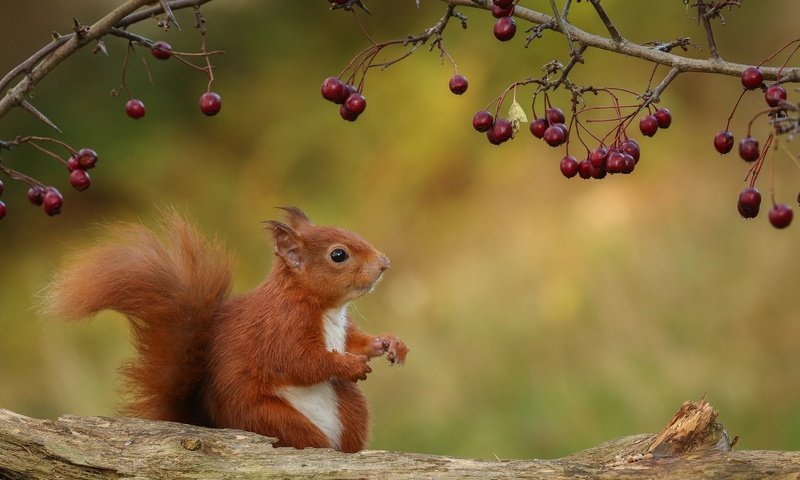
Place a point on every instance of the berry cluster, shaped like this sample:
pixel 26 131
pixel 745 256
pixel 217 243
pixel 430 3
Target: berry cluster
pixel 49 197
pixel 750 150
pixel 210 102
pixel 347 96
pixel 505 27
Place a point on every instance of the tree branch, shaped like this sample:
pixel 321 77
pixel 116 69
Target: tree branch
pixel 49 57
pixel 692 445
pixel 626 48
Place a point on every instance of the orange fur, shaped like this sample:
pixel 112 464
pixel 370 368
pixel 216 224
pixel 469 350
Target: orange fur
pixel 210 359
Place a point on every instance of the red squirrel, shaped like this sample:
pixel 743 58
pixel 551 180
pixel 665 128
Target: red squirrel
pixel 282 360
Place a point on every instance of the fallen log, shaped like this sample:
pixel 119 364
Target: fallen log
pixel 693 445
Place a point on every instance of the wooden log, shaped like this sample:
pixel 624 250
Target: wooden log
pixel 113 448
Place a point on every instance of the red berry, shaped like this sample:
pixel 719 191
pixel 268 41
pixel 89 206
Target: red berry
pixel 505 28
pixel 503 3
pixel 628 163
pixel 210 103
pixel 538 127
pixel 598 157
pixel 749 150
pixel 664 118
pixel 72 163
pixel 161 50
pixel 347 114
pixel 780 215
pixel 749 202
pixel 80 180
pixel 752 78
pixel 556 134
pixel 53 201
pixel 631 147
pixel 334 90
pixel 87 158
pixel 356 103
pixel 597 173
pixel 502 130
pixel 482 121
pixel 36 195
pixel 555 115
pixel 134 108
pixel 2 210
pixel 458 84
pixel 774 95
pixel 569 166
pixel 500 12
pixel 723 142
pixel 615 163
pixel 585 169
pixel 648 125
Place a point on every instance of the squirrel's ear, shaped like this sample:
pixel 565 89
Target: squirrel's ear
pixel 287 244
pixel 296 217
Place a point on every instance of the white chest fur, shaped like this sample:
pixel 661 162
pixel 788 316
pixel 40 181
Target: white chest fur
pixel 318 402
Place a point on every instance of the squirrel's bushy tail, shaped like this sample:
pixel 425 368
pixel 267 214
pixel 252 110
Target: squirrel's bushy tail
pixel 169 283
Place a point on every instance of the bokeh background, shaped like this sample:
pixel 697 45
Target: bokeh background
pixel 544 315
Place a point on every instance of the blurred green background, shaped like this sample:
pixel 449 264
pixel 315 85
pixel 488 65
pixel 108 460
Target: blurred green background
pixel 544 315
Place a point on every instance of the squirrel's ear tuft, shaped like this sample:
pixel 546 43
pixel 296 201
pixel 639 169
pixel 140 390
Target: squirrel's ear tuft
pixel 288 245
pixel 296 217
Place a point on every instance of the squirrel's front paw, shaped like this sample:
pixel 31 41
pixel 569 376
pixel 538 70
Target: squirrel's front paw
pixel 394 348
pixel 355 367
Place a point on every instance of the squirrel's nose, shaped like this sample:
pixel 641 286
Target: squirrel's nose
pixel 384 262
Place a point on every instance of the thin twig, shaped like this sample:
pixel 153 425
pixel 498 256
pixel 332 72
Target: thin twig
pixel 612 30
pixel 712 45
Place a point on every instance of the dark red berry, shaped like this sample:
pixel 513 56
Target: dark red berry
pixel 503 3
pixel 53 201
pixel 585 169
pixel 36 195
pixel 538 127
pixel 631 147
pixel 72 163
pixel 502 130
pixel 615 163
pixel 347 114
pixel 774 95
pixel 134 108
pixel 569 166
pixel 749 150
pixel 482 121
pixel 556 134
pixel 505 28
pixel 780 215
pixel 458 84
pixel 79 180
pixel 87 158
pixel 161 50
pixel 752 78
pixel 598 157
pixel 648 125
pixel 597 173
pixel 723 142
pixel 334 90
pixel 664 118
pixel 500 12
pixel 210 103
pixel 356 103
pixel 628 163
pixel 749 202
pixel 2 210
pixel 555 115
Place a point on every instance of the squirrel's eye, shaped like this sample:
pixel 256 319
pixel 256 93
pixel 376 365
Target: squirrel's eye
pixel 339 255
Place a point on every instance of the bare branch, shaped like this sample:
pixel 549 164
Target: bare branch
pixel 712 45
pixel 612 30
pixel 683 64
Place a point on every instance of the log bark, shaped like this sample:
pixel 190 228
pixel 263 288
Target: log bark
pixel 691 446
